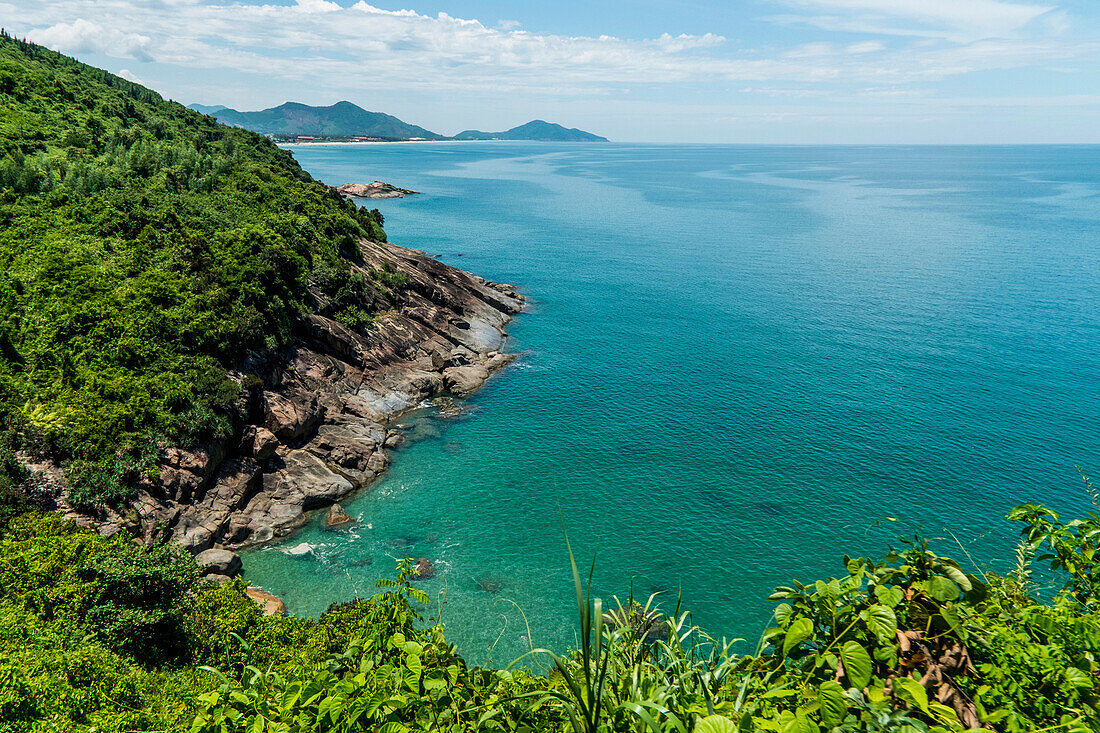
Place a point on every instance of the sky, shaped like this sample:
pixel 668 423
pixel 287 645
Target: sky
pixel 735 71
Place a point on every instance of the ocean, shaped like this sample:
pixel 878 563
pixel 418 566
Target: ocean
pixel 739 364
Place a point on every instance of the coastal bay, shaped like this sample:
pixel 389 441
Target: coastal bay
pixel 737 360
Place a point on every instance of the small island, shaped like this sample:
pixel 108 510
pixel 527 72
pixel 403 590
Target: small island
pixel 375 190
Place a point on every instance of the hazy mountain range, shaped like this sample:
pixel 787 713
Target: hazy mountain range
pixel 345 119
pixel 534 130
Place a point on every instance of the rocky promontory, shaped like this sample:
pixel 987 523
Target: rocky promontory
pixel 376 190
pixel 315 416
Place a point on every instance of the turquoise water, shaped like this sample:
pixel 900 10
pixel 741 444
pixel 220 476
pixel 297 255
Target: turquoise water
pixel 740 363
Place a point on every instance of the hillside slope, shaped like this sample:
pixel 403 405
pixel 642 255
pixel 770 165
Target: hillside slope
pixel 342 119
pixel 167 284
pixel 534 130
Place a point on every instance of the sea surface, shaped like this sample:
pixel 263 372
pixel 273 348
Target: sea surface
pixel 739 364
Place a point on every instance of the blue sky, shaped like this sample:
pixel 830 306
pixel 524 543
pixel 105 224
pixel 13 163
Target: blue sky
pixel 753 71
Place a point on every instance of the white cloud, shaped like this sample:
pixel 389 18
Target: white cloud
pixel 958 20
pixel 319 43
pixel 865 47
pixel 84 36
pixel 130 76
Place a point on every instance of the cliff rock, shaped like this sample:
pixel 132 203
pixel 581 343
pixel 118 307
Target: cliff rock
pixel 317 425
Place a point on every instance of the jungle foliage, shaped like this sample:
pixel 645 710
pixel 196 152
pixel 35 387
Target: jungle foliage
pixel 98 633
pixel 144 249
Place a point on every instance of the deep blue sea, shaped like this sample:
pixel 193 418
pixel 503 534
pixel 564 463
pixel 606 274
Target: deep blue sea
pixel 740 363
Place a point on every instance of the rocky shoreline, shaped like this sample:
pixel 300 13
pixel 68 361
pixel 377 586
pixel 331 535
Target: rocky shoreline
pixel 319 414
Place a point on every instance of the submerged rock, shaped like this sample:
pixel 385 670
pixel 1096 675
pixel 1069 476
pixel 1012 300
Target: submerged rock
pixel 219 562
pixel 490 584
pixel 298 550
pixel 423 569
pixel 449 409
pixel 336 516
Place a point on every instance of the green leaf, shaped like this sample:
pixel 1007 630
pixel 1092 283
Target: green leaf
pixel 834 708
pixel 778 692
pixel 783 613
pixel 1077 678
pixel 889 596
pixel 958 577
pixel 800 630
pixel 911 691
pixel 941 589
pixel 951 616
pixel 801 724
pixel 715 724
pixel 857 664
pixel 943 713
pixel 393 728
pixel 882 622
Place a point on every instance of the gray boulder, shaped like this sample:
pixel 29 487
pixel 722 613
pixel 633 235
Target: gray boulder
pixel 464 380
pixel 336 516
pixel 219 562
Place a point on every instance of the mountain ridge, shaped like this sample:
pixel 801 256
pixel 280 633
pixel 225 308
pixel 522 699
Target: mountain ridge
pixel 345 119
pixel 534 130
pixel 342 119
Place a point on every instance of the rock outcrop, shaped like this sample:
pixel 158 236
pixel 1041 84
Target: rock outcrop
pixel 219 562
pixel 376 190
pixel 337 517
pixel 270 605
pixel 317 413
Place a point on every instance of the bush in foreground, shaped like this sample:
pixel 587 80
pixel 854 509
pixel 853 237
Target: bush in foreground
pixel 98 633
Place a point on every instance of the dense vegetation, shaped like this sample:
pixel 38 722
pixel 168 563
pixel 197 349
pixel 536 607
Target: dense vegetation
pixel 144 250
pixel 342 119
pixel 99 634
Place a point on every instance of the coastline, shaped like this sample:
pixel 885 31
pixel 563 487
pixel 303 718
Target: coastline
pixel 373 142
pixel 319 426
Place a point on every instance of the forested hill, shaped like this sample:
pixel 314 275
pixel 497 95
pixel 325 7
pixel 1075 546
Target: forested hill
pixel 535 130
pixel 144 250
pixel 342 119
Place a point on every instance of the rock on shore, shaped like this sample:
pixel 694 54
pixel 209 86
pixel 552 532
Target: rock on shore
pixel 376 190
pixel 317 414
pixel 337 516
pixel 270 605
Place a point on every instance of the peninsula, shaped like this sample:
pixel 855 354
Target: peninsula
pixel 238 334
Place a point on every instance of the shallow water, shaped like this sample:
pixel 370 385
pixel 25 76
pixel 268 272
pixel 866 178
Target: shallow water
pixel 740 363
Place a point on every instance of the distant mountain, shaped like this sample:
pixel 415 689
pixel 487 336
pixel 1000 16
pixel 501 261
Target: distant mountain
pixel 342 119
pixel 534 130
pixel 207 109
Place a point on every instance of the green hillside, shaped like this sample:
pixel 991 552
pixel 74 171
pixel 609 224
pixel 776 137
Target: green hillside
pixel 342 119
pixel 535 130
pixel 144 249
